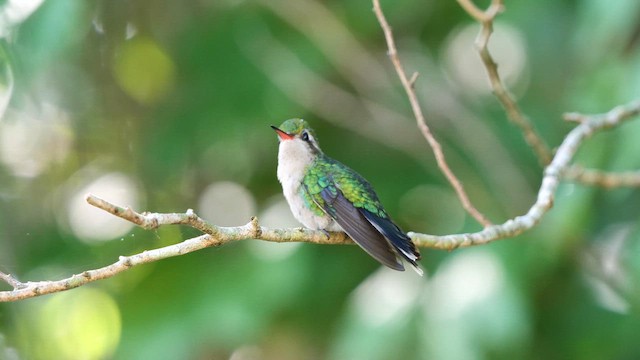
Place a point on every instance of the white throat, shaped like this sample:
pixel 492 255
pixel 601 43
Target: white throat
pixel 294 156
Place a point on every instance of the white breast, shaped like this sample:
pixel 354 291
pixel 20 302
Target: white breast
pixel 294 157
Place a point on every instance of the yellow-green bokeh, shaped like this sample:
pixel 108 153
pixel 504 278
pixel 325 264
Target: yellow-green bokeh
pixel 144 70
pixel 83 324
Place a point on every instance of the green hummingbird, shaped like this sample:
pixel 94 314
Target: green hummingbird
pixel 326 195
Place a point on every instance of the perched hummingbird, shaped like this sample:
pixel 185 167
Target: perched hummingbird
pixel 324 194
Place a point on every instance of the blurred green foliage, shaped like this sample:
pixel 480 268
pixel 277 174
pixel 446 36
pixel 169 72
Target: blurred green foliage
pixel 157 103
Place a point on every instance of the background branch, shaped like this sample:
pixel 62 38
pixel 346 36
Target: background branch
pixel 601 178
pixel 552 176
pixel 514 113
pixel 408 85
pixel 574 173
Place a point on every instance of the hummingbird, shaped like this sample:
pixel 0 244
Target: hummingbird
pixel 326 195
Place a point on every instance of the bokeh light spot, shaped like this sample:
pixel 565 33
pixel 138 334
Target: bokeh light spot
pixel 6 81
pixel 84 324
pixel 227 203
pixel 385 295
pixel 30 142
pixel 144 70
pixel 604 270
pixel 465 281
pixel 90 224
pixel 276 215
pixel 13 12
pixel 247 352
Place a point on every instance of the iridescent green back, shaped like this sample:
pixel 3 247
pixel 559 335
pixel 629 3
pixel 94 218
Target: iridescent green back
pixel 326 173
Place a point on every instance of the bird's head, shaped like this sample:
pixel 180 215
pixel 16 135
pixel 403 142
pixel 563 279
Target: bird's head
pixel 299 131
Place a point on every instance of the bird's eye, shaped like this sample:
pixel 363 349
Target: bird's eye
pixel 305 136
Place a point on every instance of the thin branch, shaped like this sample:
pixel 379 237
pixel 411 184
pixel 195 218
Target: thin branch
pixel 11 280
pixel 152 220
pixel 478 14
pixel 514 113
pixel 218 235
pixel 37 288
pixel 596 177
pixel 552 176
pixel 417 111
pixel 601 178
pixel 214 236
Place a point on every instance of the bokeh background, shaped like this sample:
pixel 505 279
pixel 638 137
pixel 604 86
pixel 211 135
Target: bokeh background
pixel 166 105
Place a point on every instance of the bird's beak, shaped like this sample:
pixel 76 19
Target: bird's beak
pixel 281 134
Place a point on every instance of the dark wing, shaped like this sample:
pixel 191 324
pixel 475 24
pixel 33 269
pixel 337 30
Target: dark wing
pixel 359 228
pixel 398 238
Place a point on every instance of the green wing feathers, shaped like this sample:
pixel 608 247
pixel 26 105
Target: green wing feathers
pixel 332 188
pixel 326 174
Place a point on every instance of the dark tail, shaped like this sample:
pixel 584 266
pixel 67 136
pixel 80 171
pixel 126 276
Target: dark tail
pixel 400 241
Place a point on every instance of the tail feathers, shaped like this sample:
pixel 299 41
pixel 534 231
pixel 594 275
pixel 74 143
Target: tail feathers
pixel 400 241
pixel 360 230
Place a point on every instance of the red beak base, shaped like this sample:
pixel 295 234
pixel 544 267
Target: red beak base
pixel 281 134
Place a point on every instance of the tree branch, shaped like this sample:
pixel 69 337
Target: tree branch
pixel 37 288
pixel 417 111
pixel 552 176
pixel 514 113
pixel 214 236
pixel 218 235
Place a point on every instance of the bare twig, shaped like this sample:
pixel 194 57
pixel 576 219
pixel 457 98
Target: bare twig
pixel 552 176
pixel 412 80
pixel 514 113
pixel 150 220
pixel 37 288
pixel 417 111
pixel 601 178
pixel 11 280
pixel 214 236
pixel 598 177
pixel 218 235
pixel 478 14
pixel 573 117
